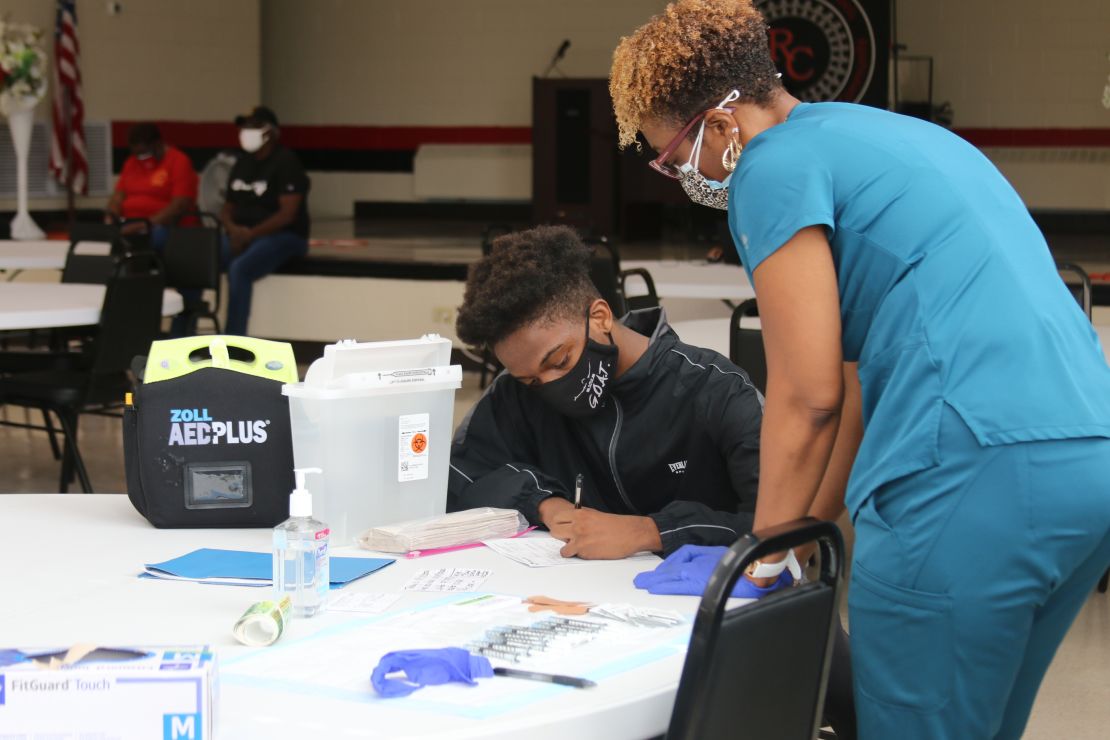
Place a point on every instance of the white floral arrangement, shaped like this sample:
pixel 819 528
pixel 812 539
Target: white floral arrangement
pixel 22 61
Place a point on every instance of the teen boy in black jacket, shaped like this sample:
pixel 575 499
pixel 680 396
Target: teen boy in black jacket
pixel 665 435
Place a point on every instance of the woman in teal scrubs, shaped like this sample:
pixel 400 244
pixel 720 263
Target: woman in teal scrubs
pixel 918 336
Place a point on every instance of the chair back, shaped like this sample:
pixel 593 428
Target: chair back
pixel 759 671
pixel 647 299
pixel 96 269
pixel 130 317
pixel 745 346
pixel 605 269
pixel 1078 283
pixel 490 233
pixel 192 258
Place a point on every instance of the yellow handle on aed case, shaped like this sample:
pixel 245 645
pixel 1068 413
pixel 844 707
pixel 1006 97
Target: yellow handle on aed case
pixel 173 358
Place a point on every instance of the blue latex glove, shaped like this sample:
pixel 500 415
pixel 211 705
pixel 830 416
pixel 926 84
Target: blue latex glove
pixel 11 657
pixel 686 571
pixel 427 668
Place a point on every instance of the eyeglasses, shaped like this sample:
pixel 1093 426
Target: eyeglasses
pixel 660 163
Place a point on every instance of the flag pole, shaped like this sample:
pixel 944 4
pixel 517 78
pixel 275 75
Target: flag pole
pixel 71 208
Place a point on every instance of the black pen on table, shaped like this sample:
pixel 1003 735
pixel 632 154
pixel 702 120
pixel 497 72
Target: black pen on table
pixel 578 683
pixel 578 492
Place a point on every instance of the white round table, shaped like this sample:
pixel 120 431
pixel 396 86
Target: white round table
pixel 42 255
pixel 80 585
pixel 713 333
pixel 52 305
pixel 696 279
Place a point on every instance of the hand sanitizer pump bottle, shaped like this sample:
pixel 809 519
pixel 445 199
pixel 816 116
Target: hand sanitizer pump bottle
pixel 301 553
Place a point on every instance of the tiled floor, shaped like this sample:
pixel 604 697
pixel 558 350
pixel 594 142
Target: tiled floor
pixel 1072 704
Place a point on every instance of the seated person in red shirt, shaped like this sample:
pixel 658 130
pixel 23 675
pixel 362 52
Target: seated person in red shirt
pixel 157 182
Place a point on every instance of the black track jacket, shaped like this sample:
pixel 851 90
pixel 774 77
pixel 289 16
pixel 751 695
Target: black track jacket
pixel 677 441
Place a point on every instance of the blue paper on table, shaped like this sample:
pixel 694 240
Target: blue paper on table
pixel 242 568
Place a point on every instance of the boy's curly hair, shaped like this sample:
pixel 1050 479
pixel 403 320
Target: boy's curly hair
pixel 538 274
pixel 687 59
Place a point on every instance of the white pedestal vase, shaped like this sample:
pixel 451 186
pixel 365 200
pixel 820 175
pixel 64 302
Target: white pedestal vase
pixel 21 119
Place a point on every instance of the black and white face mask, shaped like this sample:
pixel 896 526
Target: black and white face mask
pixel 585 388
pixel 703 191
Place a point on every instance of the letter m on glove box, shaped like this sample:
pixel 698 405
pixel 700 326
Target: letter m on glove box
pixel 181 727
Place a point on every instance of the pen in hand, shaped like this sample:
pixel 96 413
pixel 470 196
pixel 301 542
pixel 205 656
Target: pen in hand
pixel 578 492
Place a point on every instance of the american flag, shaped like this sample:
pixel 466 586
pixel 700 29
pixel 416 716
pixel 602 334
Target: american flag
pixel 67 80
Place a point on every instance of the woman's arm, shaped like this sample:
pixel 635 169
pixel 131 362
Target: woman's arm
pixel 799 306
pixel 829 502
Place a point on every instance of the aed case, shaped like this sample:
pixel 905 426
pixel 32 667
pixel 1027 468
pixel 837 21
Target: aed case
pixel 206 438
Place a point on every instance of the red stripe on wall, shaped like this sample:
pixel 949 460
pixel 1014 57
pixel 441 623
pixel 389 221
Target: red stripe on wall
pixel 409 138
pixel 1037 137
pixel 403 138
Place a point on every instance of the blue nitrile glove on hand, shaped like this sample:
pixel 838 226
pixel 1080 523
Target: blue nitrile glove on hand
pixel 686 571
pixel 427 668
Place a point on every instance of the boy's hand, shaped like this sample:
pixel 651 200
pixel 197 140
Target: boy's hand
pixel 593 535
pixel 551 510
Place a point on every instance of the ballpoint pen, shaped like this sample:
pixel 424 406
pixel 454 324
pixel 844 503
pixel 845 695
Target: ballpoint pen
pixel 578 492
pixel 578 683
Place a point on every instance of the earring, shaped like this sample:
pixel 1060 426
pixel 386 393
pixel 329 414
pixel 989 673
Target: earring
pixel 731 156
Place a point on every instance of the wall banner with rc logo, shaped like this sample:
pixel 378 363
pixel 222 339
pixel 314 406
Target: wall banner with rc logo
pixel 831 49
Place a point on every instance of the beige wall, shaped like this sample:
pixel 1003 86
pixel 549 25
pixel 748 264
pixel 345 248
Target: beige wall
pixel 1023 64
pixel 442 62
pixel 192 60
pixel 430 62
pixel 185 60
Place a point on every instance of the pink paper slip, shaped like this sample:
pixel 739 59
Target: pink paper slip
pixel 455 548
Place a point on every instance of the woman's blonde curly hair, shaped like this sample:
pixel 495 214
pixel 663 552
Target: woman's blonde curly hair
pixel 686 59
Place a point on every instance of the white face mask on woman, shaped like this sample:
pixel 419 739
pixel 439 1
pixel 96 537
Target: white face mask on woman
pixel 702 190
pixel 252 139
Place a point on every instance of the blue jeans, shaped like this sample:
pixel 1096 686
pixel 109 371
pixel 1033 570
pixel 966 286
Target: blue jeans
pixel 158 234
pixel 258 259
pixel 966 578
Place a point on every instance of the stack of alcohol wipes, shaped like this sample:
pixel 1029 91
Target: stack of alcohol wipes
pixel 450 530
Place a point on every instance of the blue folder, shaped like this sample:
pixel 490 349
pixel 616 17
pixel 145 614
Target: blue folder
pixel 243 568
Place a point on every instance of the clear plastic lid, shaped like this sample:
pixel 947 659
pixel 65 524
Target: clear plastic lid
pixel 350 369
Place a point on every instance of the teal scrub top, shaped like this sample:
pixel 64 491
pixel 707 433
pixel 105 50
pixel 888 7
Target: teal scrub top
pixel 948 292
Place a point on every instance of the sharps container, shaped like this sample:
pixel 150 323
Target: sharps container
pixel 376 417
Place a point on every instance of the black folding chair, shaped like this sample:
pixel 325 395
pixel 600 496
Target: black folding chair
pixel 69 384
pixel 759 671
pixel 605 270
pixel 745 346
pixel 490 234
pixel 192 262
pixel 96 269
pixel 647 299
pixel 1078 283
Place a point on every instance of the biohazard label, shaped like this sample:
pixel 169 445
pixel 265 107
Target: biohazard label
pixel 412 443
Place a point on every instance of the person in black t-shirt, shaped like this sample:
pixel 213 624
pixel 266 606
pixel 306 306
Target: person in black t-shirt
pixel 266 213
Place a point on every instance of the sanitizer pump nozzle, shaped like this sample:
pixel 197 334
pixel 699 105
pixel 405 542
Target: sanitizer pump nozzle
pixel 300 500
